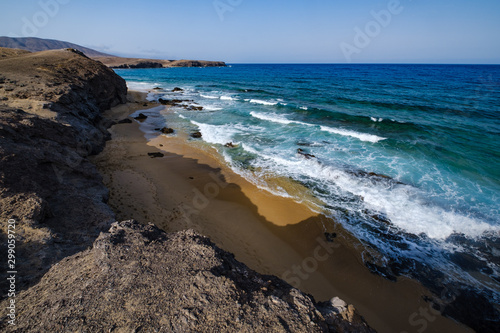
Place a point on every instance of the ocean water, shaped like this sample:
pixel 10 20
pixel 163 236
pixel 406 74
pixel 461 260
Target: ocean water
pixel 405 157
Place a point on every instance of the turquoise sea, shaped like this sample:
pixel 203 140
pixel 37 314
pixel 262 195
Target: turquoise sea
pixel 405 157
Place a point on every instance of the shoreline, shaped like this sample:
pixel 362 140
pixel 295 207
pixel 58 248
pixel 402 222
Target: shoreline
pixel 270 234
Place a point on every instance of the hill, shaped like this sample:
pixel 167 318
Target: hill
pixel 38 44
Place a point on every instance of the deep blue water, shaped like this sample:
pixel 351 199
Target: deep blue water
pixel 407 157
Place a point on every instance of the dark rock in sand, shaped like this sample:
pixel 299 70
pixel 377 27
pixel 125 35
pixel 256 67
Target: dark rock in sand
pixel 155 155
pixel 330 236
pixel 196 135
pixel 138 278
pixel 141 116
pixel 167 130
pixel 125 121
pixel 177 89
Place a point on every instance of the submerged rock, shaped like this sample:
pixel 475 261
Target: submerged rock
pixel 301 151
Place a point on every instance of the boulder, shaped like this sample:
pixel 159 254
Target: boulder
pixel 167 130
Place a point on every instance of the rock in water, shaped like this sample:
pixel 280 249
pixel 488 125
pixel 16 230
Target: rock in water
pixel 196 135
pixel 167 130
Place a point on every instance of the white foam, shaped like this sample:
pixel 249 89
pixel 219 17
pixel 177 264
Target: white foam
pixel 258 101
pixel 361 136
pixel 376 120
pixel 276 118
pixel 404 205
pixel 228 98
pixel 304 108
pixel 209 97
pixel 216 134
pixel 211 108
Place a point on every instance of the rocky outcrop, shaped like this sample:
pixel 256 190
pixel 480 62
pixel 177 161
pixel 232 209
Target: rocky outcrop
pixel 50 121
pixel 136 278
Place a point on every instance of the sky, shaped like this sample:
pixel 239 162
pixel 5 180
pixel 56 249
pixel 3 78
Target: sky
pixel 272 31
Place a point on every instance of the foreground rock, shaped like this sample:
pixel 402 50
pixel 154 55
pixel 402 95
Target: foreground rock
pixel 137 278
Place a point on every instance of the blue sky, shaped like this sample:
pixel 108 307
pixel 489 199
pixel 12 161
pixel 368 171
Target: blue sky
pixel 273 31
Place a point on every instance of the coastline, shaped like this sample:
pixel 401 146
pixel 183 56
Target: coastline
pixel 270 234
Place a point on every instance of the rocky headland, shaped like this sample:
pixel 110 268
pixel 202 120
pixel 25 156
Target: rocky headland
pixel 78 269
pixel 119 62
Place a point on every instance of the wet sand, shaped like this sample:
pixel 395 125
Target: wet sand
pixel 189 188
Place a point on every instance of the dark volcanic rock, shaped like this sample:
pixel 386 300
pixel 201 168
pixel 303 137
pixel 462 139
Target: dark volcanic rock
pixel 167 130
pixel 156 154
pixel 125 121
pixel 301 151
pixel 177 89
pixel 196 135
pixel 141 116
pixel 173 102
pixel 138 278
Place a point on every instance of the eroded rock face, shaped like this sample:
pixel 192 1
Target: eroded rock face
pixel 137 277
pixel 50 121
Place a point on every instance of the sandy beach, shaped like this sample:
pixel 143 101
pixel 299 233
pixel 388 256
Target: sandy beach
pixel 189 188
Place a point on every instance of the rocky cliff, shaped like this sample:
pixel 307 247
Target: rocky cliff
pixel 50 106
pixel 75 273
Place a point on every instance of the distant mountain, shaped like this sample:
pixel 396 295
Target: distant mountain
pixel 38 44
